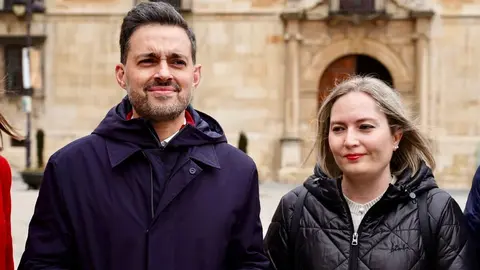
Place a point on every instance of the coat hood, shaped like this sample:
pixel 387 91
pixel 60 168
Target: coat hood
pixel 139 132
pixel 328 189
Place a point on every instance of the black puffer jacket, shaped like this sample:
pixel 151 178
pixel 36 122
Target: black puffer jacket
pixel 388 238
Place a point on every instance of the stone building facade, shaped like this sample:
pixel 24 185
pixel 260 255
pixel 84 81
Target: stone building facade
pixel 266 66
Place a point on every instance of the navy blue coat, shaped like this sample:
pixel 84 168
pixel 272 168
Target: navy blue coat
pixel 117 199
pixel 472 214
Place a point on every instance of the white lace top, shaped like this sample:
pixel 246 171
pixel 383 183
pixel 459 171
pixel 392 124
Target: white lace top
pixel 359 210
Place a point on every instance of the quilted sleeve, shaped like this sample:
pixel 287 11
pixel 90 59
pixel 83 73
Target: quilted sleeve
pixel 276 239
pixel 452 239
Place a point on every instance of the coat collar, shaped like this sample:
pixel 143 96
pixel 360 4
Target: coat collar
pixel 118 152
pixel 205 154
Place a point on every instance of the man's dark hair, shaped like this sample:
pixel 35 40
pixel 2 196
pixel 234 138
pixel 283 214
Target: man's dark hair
pixel 151 13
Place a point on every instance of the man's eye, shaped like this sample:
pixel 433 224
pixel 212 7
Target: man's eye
pixel 179 62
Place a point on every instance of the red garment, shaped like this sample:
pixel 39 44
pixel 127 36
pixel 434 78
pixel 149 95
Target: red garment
pixel 6 248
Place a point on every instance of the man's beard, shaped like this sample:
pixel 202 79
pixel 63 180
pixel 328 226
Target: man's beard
pixel 169 111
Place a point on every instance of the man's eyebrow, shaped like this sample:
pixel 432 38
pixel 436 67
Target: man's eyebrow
pixel 177 55
pixel 147 55
pixel 156 55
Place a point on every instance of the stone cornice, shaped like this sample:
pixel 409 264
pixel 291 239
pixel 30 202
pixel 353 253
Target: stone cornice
pixel 320 11
pixel 418 14
pixel 293 15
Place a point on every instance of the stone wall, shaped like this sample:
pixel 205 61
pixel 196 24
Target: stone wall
pixel 242 71
pixel 456 106
pixel 237 6
pixel 82 85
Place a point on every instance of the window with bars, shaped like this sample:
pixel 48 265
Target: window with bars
pixel 357 6
pixel 37 5
pixel 13 69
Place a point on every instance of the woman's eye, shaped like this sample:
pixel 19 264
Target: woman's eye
pixel 337 129
pixel 364 127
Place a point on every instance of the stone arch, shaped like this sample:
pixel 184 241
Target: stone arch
pixel 347 65
pixel 397 68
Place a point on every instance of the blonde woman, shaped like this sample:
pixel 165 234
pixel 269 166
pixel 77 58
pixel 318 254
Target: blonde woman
pixel 372 202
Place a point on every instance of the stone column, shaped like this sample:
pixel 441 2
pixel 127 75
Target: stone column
pixel 290 143
pixel 422 72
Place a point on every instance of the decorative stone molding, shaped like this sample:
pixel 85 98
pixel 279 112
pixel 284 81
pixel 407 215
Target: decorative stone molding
pixel 399 71
pixel 343 34
pixel 418 36
pixel 410 4
pixel 386 10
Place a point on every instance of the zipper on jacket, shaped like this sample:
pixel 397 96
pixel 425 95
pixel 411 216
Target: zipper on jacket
pixel 355 239
pixel 151 186
pixel 353 258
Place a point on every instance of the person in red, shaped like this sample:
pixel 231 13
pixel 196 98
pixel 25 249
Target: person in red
pixel 6 249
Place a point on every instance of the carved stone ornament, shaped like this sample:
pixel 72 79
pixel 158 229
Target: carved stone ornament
pixel 411 4
pixel 387 9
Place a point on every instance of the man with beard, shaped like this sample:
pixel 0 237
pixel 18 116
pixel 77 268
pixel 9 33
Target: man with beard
pixel 155 186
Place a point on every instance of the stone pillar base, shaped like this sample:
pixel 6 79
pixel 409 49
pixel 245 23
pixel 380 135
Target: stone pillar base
pixel 291 152
pixel 294 175
pixel 291 160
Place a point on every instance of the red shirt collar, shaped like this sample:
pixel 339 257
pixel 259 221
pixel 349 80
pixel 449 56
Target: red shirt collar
pixel 189 118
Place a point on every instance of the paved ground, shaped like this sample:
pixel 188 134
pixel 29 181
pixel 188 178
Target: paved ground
pixel 23 202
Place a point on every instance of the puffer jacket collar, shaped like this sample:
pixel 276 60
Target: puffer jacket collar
pixel 329 192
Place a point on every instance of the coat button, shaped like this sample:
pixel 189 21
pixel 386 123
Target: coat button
pixel 192 170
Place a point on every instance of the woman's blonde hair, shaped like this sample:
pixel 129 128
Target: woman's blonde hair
pixel 413 148
pixel 8 129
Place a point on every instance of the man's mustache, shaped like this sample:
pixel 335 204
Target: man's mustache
pixel 166 83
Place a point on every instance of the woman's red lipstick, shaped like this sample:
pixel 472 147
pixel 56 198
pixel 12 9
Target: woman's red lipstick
pixel 353 156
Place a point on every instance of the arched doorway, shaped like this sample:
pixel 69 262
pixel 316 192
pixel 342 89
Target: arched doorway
pixel 346 66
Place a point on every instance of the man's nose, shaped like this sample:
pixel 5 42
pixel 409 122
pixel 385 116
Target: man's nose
pixel 163 72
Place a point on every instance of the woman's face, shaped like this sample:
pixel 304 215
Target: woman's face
pixel 359 136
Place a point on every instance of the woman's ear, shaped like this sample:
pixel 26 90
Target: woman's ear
pixel 397 137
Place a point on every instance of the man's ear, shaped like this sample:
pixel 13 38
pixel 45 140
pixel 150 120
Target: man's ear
pixel 197 75
pixel 120 75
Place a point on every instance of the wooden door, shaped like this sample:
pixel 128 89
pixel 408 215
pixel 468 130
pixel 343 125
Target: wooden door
pixel 336 72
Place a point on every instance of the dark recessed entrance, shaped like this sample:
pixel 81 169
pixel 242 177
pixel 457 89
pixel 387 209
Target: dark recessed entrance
pixel 349 65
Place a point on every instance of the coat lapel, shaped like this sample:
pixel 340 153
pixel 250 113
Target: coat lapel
pixel 187 170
